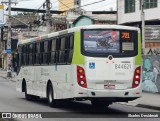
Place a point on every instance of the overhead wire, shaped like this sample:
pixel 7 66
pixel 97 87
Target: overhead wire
pixel 107 5
pixel 66 5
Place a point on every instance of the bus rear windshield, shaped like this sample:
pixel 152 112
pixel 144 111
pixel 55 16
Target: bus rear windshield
pixel 109 42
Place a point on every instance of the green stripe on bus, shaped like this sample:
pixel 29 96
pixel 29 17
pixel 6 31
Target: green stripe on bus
pixel 78 58
pixel 138 58
pixel 44 37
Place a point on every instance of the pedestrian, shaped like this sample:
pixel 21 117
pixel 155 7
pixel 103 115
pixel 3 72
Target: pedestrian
pixel 9 71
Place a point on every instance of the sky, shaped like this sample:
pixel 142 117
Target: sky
pixel 102 6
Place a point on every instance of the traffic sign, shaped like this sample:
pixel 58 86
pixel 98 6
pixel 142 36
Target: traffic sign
pixel 9 55
pixel 9 51
pixel 92 65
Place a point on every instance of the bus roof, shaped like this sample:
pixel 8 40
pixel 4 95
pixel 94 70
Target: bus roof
pixel 71 30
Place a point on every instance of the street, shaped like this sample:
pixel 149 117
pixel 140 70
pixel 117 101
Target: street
pixel 13 101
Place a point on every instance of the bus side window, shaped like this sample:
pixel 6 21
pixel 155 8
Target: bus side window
pixel 38 53
pixel 53 51
pixel 30 54
pixel 45 54
pixel 41 52
pixel 49 51
pixel 62 50
pixel 24 54
pixel 20 56
pixel 34 53
pixel 27 54
pixel 70 49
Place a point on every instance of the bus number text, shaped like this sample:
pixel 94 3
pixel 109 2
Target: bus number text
pixel 125 35
pixel 122 66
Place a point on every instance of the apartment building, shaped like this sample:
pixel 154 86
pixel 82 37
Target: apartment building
pixel 129 11
pixel 68 4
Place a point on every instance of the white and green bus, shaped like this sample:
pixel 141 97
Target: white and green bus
pixel 100 63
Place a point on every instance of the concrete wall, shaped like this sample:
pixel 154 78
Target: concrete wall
pixel 150 14
pixel 83 21
pixel 66 5
pixel 151 73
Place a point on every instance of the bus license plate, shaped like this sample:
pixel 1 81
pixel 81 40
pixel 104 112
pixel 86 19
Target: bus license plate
pixel 109 86
pixel 123 66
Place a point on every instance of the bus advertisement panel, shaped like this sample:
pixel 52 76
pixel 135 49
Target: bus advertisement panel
pixel 102 41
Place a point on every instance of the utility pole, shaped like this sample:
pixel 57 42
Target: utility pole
pixel 143 25
pixel 9 51
pixel 48 16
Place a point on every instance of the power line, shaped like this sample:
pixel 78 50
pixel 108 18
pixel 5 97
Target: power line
pixel 79 6
pixel 92 3
pixel 64 4
pixel 105 6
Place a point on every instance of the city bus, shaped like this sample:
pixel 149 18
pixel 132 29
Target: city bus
pixel 99 63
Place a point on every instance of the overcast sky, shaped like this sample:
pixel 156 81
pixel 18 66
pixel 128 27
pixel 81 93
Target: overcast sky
pixel 106 5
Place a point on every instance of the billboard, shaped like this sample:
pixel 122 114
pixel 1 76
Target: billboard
pixel 101 41
pixel 152 33
pixel 151 73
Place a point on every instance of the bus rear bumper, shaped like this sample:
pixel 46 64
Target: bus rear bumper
pixel 113 95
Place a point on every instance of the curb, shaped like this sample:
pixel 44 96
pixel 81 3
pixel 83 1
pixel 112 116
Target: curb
pixel 142 106
pixel 8 79
pixel 148 106
pixel 128 104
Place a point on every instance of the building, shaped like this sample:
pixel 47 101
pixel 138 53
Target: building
pixel 26 25
pixel 129 13
pixel 90 19
pixel 65 5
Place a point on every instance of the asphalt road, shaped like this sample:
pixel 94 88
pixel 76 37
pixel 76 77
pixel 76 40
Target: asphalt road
pixel 13 101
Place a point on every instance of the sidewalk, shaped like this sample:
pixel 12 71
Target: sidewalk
pixel 148 100
pixel 3 73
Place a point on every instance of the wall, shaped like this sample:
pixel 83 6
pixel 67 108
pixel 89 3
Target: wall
pixel 150 14
pixel 151 73
pixel 69 5
pixel 151 60
pixel 83 21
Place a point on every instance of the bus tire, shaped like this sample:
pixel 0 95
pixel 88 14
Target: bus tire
pixel 50 96
pixel 99 104
pixel 27 96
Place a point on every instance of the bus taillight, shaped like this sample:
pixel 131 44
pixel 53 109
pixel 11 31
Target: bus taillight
pixel 81 78
pixel 137 77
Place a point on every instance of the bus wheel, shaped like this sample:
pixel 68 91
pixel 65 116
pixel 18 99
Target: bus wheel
pixel 50 95
pixel 99 104
pixel 27 96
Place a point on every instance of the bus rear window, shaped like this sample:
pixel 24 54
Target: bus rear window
pixel 114 42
